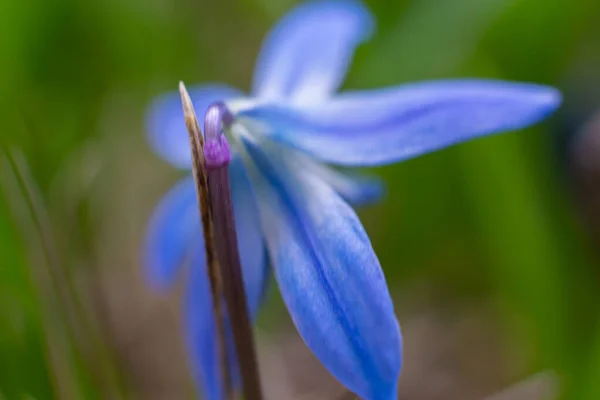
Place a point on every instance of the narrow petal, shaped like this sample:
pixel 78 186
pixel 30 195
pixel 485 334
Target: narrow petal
pixel 306 55
pixel 166 126
pixel 169 234
pixel 358 190
pixel 384 126
pixel 199 317
pixel 329 277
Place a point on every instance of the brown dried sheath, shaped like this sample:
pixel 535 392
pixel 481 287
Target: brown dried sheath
pixel 214 275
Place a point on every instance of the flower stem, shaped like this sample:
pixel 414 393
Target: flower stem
pixel 214 274
pixel 217 156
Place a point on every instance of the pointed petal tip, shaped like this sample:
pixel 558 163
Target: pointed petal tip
pixel 363 19
pixel 553 98
pixel 346 10
pixel 374 191
pixel 547 97
pixel 542 102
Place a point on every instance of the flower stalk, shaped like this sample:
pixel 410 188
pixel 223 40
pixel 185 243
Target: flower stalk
pixel 218 156
pixel 214 275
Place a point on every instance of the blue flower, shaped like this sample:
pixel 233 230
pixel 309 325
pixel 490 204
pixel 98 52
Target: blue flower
pixel 290 204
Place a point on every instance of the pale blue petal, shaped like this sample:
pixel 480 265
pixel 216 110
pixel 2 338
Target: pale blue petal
pixel 200 330
pixel 306 55
pixel 329 277
pixel 199 316
pixel 251 243
pixel 356 189
pixel 384 126
pixel 166 126
pixel 170 234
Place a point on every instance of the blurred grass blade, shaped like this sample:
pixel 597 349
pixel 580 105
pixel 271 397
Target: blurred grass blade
pixel 24 206
pixel 23 350
pixel 89 355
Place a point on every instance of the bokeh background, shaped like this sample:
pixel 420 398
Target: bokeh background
pixel 491 248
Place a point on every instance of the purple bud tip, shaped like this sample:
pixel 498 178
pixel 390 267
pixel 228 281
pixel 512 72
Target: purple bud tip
pixel 216 147
pixel 216 152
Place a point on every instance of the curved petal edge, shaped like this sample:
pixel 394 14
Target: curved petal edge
pixel 305 57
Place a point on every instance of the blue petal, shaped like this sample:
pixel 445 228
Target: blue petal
pixel 329 277
pixel 201 333
pixel 170 233
pixel 383 126
pixel 356 189
pixel 166 126
pixel 199 316
pixel 200 330
pixel 250 238
pixel 174 226
pixel 306 55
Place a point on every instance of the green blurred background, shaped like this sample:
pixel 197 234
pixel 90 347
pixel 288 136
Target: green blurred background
pixel 490 247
